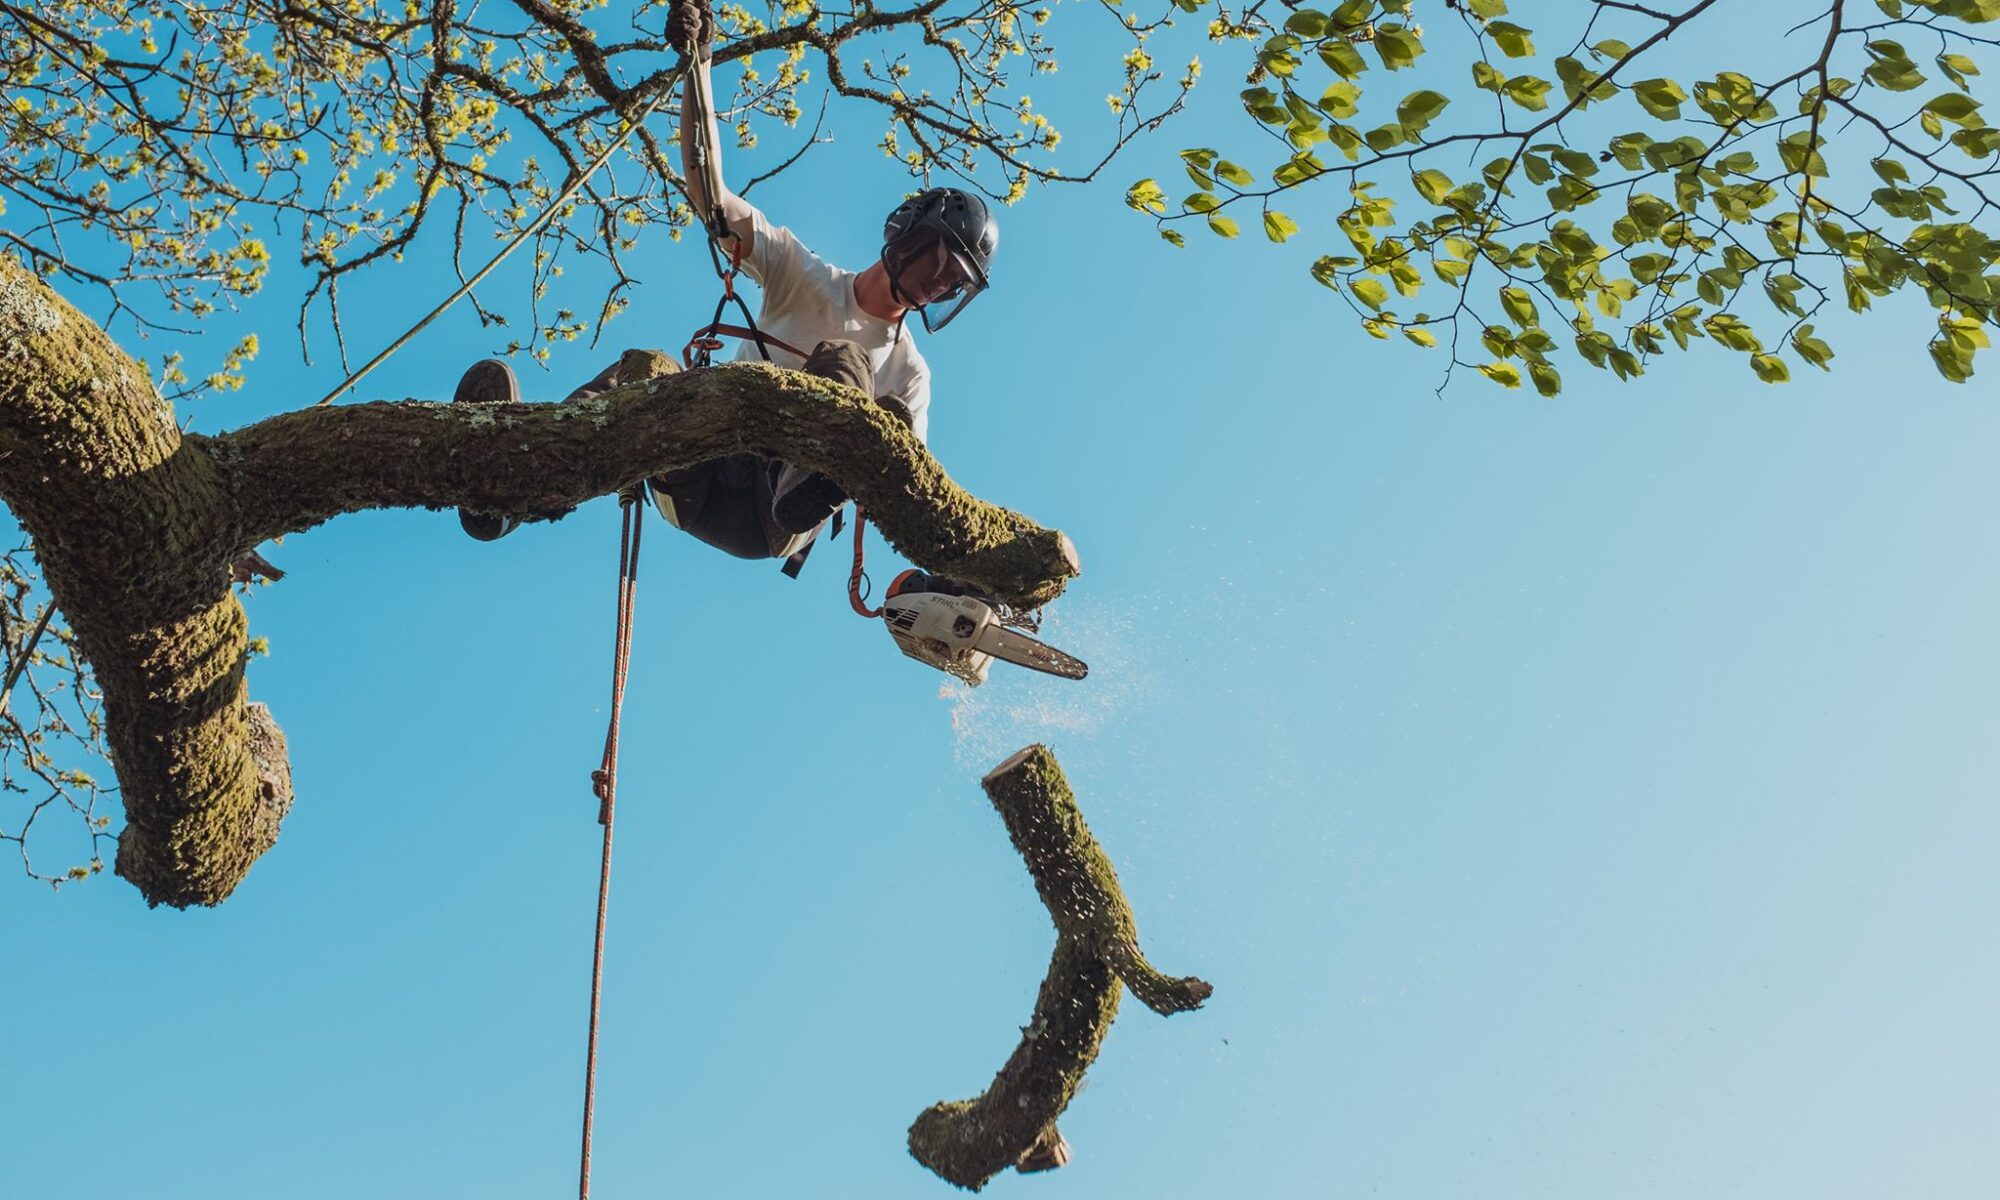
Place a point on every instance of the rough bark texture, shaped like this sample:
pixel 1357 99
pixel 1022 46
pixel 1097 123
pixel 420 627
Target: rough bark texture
pixel 540 460
pixel 136 527
pixel 1075 876
pixel 968 1142
pixel 135 551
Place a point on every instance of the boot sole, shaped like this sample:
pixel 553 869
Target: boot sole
pixel 488 381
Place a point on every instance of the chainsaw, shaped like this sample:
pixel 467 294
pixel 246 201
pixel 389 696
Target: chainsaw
pixel 959 630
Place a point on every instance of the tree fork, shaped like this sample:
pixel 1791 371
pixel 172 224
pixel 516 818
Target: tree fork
pixel 136 526
pixel 1013 1123
pixel 131 536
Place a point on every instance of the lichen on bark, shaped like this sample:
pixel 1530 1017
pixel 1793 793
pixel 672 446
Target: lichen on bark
pixel 1013 1123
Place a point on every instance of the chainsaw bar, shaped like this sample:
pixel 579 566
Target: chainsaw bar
pixel 1024 651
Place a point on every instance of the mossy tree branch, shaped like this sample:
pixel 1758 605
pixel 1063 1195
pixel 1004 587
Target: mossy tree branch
pixel 534 460
pixel 1075 876
pixel 1013 1124
pixel 136 525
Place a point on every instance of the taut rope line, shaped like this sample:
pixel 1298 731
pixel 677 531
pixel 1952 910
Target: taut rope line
pixel 604 781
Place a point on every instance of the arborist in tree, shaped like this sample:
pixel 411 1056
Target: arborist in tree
pixel 936 254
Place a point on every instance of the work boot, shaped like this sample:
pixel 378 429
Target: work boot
pixel 802 499
pixel 488 381
pixel 633 366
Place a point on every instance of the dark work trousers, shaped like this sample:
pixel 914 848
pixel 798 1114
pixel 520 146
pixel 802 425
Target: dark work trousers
pixel 726 502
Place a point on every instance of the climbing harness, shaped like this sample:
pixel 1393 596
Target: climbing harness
pixel 701 348
pixel 604 781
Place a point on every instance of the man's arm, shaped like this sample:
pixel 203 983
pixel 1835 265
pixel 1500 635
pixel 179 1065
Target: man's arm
pixel 705 187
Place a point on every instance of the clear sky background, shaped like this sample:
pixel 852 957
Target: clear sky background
pixel 1568 799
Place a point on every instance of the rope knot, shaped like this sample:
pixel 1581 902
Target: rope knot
pixel 600 783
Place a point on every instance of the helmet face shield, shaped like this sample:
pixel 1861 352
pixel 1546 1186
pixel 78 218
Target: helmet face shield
pixel 927 271
pixel 953 305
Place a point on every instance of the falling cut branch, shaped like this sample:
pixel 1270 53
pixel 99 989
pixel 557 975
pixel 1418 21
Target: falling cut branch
pixel 1013 1124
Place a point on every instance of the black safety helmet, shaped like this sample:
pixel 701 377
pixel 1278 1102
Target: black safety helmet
pixel 965 226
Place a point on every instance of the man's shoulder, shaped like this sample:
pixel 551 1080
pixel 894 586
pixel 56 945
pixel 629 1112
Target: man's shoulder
pixel 780 251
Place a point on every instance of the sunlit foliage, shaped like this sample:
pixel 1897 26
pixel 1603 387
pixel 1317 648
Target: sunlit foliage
pixel 1563 194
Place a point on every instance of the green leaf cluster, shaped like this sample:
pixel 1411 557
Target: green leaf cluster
pixel 1729 199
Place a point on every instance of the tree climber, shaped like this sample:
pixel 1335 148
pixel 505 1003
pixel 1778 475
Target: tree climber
pixel 937 249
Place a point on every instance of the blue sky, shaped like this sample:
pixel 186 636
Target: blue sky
pixel 1567 798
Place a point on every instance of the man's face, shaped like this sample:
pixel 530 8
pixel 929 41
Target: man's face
pixel 932 274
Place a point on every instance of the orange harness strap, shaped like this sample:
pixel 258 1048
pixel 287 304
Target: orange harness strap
pixel 857 580
pixel 707 340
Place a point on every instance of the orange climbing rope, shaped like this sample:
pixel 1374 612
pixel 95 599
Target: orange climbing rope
pixel 857 579
pixel 604 781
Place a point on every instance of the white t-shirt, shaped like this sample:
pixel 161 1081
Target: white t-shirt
pixel 808 300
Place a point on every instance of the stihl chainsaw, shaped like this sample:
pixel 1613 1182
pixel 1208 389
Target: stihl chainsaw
pixel 958 629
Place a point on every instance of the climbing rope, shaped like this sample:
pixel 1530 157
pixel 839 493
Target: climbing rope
pixel 604 781
pixel 699 353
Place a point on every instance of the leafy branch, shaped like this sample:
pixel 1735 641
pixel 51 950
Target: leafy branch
pixel 1590 237
pixel 46 739
pixel 183 138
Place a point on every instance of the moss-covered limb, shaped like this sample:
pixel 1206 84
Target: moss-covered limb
pixel 1164 994
pixel 1013 1123
pixel 204 776
pixel 130 531
pixel 968 1142
pixel 1075 876
pixel 94 466
pixel 533 460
